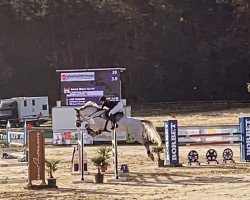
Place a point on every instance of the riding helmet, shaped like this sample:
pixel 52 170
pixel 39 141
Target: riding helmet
pixel 102 98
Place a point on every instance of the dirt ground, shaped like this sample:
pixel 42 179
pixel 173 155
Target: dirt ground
pixel 145 179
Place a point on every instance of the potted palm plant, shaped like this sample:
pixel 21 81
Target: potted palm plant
pixel 104 151
pixel 52 165
pixel 158 150
pixel 98 162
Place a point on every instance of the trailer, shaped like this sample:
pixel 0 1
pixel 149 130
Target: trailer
pixel 17 110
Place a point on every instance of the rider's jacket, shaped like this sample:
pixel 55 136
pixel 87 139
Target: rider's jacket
pixel 109 104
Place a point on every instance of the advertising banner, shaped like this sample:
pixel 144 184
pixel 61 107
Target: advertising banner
pixel 81 86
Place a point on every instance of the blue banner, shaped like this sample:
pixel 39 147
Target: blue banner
pixel 171 141
pixel 244 128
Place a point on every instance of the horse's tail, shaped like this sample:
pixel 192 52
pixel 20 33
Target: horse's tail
pixel 151 133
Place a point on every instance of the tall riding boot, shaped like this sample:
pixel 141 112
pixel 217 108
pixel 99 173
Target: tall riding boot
pixel 105 127
pixel 112 117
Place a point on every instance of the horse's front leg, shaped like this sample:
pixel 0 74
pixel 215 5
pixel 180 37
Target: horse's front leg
pixel 150 155
pixel 91 131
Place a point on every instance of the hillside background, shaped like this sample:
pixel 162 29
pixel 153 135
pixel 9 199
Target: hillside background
pixel 185 50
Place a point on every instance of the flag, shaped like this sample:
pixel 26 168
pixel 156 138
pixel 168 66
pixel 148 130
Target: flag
pixel 30 126
pixel 173 115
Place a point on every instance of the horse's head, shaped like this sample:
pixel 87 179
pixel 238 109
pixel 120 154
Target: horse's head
pixel 85 113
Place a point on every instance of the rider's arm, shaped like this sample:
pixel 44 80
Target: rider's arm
pixel 104 105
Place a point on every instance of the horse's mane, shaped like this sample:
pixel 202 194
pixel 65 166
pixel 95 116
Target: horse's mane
pixel 89 104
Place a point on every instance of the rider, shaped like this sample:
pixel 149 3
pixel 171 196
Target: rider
pixel 113 106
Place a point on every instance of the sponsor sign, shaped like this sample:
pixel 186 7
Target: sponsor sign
pixel 172 149
pixel 245 138
pixel 13 137
pixel 70 137
pixel 77 76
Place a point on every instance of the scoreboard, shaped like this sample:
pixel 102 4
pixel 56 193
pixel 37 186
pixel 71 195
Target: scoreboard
pixel 80 86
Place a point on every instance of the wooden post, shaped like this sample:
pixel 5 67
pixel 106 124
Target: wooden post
pixel 36 161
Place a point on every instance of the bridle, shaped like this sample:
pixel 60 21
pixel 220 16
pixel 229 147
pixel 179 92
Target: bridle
pixel 87 118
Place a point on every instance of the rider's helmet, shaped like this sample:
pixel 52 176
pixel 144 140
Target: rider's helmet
pixel 102 98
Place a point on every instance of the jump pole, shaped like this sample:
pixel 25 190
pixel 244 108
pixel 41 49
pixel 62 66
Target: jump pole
pixel 7 132
pixel 114 152
pixel 116 178
pixel 25 131
pixel 81 157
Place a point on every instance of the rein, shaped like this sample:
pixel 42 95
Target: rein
pixel 85 119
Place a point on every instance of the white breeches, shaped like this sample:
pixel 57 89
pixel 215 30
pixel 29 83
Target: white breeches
pixel 117 108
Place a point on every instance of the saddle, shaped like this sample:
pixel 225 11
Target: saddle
pixel 118 116
pixel 114 119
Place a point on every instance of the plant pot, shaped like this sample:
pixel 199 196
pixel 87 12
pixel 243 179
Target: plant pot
pixel 76 167
pixel 99 178
pixel 52 182
pixel 160 163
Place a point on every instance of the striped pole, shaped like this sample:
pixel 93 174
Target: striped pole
pixel 207 143
pixel 114 152
pixel 208 135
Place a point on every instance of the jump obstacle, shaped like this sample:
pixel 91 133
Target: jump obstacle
pixel 36 164
pixel 116 178
pixel 80 158
pixel 83 166
pixel 172 141
pixel 15 138
pixel 21 136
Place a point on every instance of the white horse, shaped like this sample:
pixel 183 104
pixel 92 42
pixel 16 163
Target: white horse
pixel 143 131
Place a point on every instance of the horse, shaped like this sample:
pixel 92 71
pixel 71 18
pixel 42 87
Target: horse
pixel 143 131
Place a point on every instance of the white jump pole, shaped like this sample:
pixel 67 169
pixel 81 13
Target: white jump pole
pixel 115 159
pixel 114 152
pixel 80 149
pixel 25 131
pixel 8 139
pixel 82 157
pixel 80 145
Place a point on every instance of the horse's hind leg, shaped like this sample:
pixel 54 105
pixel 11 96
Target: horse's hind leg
pixel 150 155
